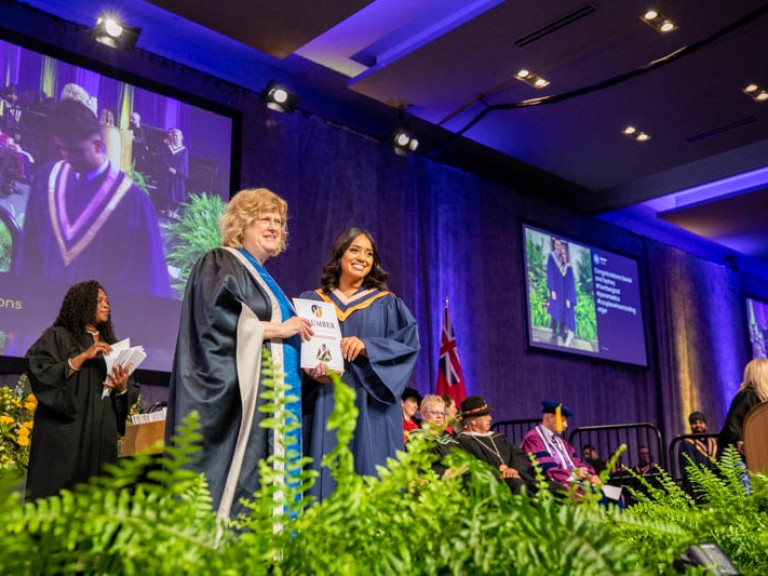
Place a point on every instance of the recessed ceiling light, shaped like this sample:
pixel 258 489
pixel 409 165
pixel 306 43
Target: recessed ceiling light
pixel 658 21
pixel 636 134
pixel 756 92
pixel 530 78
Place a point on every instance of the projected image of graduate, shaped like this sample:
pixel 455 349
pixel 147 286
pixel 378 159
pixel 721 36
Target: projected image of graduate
pixel 85 217
pixel 561 292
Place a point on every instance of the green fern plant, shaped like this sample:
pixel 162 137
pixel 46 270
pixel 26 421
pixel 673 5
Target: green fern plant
pixel 196 232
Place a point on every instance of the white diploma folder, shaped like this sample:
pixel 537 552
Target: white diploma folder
pixel 325 345
pixel 123 354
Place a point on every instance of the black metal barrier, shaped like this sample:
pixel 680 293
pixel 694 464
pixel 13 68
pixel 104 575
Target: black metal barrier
pixel 607 438
pixel 515 430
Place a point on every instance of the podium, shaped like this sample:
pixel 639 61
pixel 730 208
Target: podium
pixel 146 438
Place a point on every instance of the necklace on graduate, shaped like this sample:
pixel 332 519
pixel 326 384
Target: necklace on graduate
pixel 493 449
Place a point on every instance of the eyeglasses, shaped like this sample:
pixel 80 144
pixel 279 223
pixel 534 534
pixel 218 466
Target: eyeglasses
pixel 433 413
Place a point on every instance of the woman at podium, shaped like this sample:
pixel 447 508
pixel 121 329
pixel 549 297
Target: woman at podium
pixel 234 310
pixel 76 424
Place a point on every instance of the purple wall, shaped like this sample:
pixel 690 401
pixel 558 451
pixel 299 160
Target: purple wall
pixel 445 233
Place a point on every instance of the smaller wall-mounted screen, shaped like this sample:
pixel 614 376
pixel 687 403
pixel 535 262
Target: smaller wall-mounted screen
pixel 757 321
pixel 582 299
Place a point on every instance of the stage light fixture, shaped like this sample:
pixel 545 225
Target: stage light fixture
pixel 279 99
pixel 658 21
pixel 111 31
pixel 532 79
pixel 756 92
pixel 404 142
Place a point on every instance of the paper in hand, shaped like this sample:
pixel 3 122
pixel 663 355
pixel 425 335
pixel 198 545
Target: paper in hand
pixel 122 354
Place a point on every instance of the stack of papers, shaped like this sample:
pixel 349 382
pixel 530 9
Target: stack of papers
pixel 123 354
pixel 158 416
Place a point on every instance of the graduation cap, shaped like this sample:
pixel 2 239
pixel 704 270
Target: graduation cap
pixel 550 407
pixel 559 410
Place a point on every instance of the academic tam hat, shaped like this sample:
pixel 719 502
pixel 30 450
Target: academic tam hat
pixel 549 407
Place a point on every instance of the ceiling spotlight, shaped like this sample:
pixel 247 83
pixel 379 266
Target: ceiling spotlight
pixel 109 30
pixel 530 78
pixel 658 21
pixel 404 142
pixel 636 134
pixel 279 99
pixel 756 92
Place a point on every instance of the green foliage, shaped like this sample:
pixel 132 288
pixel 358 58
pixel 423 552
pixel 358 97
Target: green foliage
pixel 666 521
pixel 139 179
pixel 5 248
pixel 196 232
pixel 140 519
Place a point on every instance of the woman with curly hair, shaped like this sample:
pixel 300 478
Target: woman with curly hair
pixel 234 310
pixel 76 426
pixel 380 342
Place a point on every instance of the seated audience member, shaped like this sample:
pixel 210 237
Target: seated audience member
pixel 492 447
pixel 556 457
pixel 409 401
pixel 646 465
pixel 433 416
pixel 701 452
pixel 452 424
pixel 591 456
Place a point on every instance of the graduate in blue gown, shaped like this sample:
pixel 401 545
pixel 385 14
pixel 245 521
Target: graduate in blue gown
pixel 85 218
pixel 232 311
pixel 561 284
pixel 380 343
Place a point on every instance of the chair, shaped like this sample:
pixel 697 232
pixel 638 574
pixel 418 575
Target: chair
pixel 755 433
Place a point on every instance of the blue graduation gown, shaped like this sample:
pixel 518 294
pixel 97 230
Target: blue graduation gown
pixel 561 282
pixel 105 229
pixel 384 323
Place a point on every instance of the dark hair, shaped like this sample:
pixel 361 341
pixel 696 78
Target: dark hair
pixel 73 121
pixel 79 309
pixel 377 277
pixel 448 399
pixel 696 417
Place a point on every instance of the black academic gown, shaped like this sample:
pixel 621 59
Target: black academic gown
pixel 75 431
pixel 496 450
pixel 217 364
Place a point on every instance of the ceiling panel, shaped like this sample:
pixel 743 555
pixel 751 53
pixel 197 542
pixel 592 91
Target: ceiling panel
pixel 276 28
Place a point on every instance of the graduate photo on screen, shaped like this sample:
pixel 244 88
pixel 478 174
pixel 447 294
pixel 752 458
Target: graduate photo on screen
pixel 101 178
pixel 560 292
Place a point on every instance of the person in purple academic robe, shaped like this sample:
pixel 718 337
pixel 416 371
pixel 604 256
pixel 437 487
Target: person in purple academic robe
pixel 174 171
pixel 379 343
pixel 561 285
pixel 555 456
pixel 85 218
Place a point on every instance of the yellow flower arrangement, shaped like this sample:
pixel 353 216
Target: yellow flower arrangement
pixel 17 409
